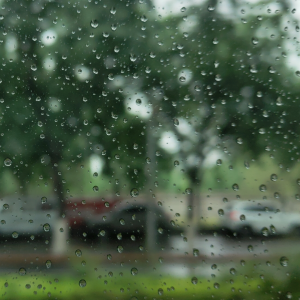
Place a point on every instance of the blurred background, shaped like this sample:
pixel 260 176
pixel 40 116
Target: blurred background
pixel 149 149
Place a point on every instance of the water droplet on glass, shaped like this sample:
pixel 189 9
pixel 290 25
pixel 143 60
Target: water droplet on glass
pixel 235 187
pixel 122 222
pixel 134 271
pixel 274 177
pixel 262 131
pixel 219 162
pixel 210 8
pixel 120 249
pixel 96 188
pixel 33 67
pixel 232 271
pixel 82 283
pixel 134 192
pixel 182 79
pixel 22 271
pixel 196 252
pixel 7 162
pixel 221 212
pixel 15 235
pixel 176 163
pixel 262 188
pixel 250 248
pixel 284 261
pixel 242 218
pixel 265 231
pixel 239 141
pixel 48 264
pixel 94 24
pixel 254 41
pixel 297 73
pixel 160 291
pixel 175 122
pixel 46 227
pixel 188 191
pixel 194 280
pixel 5 206
pixel 78 252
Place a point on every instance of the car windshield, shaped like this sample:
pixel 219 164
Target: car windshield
pixel 150 149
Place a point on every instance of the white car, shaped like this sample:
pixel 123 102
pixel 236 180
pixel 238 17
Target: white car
pixel 259 217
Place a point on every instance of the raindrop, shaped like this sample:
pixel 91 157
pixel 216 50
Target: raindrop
pixel 254 41
pixel 15 235
pixel 5 206
pixel 148 160
pixel 176 163
pixel 96 188
pixel 262 188
pixel 297 73
pixel 188 191
pixel 144 18
pixel 242 218
pixel 122 222
pixel 134 192
pixel 221 212
pixel 48 264
pixel 7 162
pixel 216 285
pixel 94 23
pixel 210 8
pixel 119 236
pixel 46 227
pixel 22 271
pixel 284 261
pixel 214 267
pixel 232 271
pixel 120 249
pixel 160 291
pixel 175 122
pixel 183 9
pixel 82 283
pixel 33 67
pixel 262 131
pixel 250 248
pixel 219 162
pixel 78 253
pixel 182 79
pixel 194 280
pixel 265 231
pixel 239 141
pixel 196 252
pixel 138 102
pixel 160 230
pixel 235 187
pixel 134 271
pixel 113 10
pixel 274 177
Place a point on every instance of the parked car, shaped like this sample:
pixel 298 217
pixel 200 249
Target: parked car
pixel 25 218
pixel 259 217
pixel 129 218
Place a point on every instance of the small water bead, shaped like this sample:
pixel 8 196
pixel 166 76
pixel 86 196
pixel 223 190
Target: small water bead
pixel 160 291
pixel 196 252
pixel 96 188
pixel 274 177
pixel 194 280
pixel 188 191
pixel 221 212
pixel 250 248
pixel 176 163
pixel 134 192
pixel 175 122
pixel 22 271
pixel 122 222
pixel 15 234
pixel 7 162
pixel 134 271
pixel 262 131
pixel 82 283
pixel 242 218
pixel 284 261
pixel 160 230
pixel 46 227
pixel 135 146
pixel 262 188
pixel 33 67
pixel 235 187
pixel 102 232
pixel 297 73
pixel 265 231
pixel 232 271
pixel 210 8
pixel 148 160
pixel 78 253
pixel 255 41
pixel 219 162
pixel 182 79
pixel 120 249
pixel 5 206
pixel 94 24
pixel 48 264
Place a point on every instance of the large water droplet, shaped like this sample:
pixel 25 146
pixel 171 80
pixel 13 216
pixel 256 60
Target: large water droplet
pixel 22 271
pixel 7 162
pixel 134 271
pixel 134 192
pixel 82 283
pixel 194 280
pixel 235 187
pixel 94 24
pixel 284 261
pixel 46 227
pixel 78 252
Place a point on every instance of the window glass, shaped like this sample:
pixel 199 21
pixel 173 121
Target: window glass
pixel 149 149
